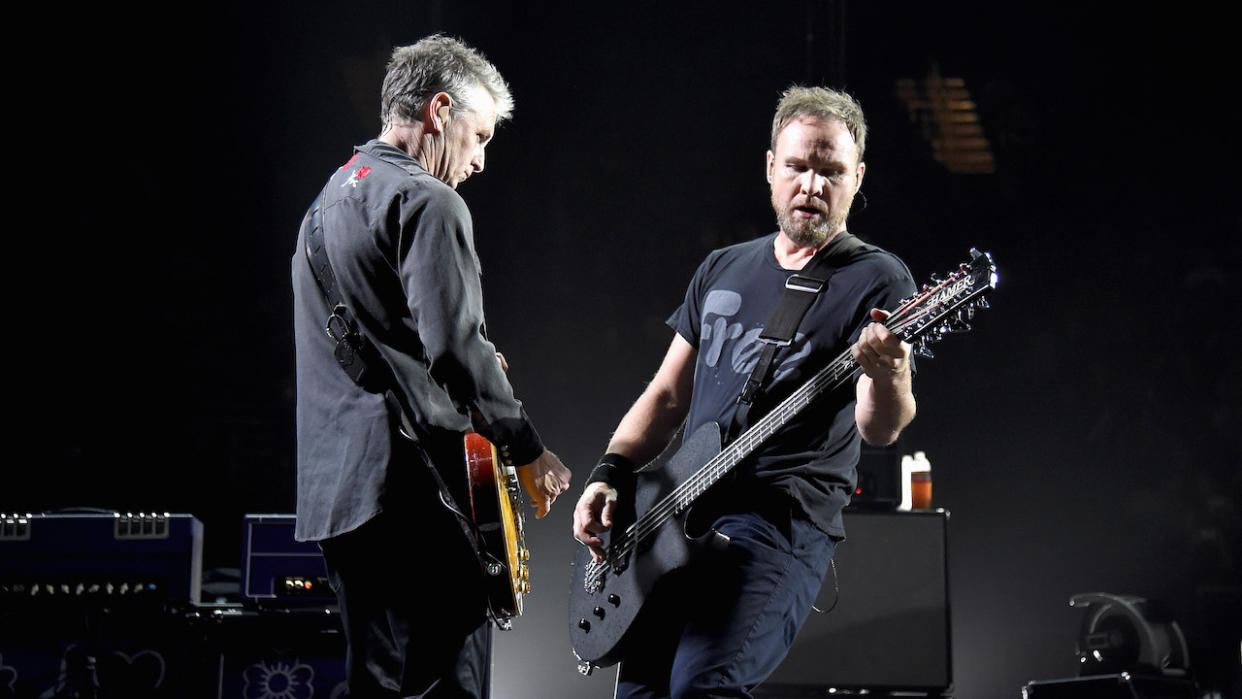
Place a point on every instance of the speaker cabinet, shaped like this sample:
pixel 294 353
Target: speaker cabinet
pixel 78 648
pixel 291 654
pixel 887 629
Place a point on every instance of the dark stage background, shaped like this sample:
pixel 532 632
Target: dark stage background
pixel 1084 436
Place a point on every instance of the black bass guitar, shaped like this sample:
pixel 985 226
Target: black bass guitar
pixel 605 598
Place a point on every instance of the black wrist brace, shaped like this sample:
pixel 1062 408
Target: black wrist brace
pixel 615 470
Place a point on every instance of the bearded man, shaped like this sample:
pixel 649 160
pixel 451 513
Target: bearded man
pixel 722 625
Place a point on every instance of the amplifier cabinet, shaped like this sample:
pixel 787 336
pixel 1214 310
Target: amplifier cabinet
pixel 889 629
pixel 64 650
pixel 279 570
pixel 112 557
pixel 215 652
pixel 274 653
pixel 879 479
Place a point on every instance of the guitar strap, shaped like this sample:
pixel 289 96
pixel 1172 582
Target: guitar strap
pixel 801 290
pixel 362 362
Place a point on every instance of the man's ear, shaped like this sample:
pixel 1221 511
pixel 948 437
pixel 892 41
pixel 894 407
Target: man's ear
pixel 436 112
pixel 771 159
pixel 862 169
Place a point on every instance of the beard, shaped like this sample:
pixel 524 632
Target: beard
pixel 809 232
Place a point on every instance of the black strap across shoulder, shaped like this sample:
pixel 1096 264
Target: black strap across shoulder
pixel 801 290
pixel 356 355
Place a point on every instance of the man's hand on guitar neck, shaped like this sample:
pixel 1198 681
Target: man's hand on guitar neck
pixel 885 397
pixel 593 516
pixel 544 479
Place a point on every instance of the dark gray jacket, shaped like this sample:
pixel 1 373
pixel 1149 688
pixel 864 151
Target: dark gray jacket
pixel 402 246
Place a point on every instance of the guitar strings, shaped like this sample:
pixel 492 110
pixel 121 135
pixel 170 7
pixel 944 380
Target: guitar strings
pixel 830 377
pixel 694 486
pixel 686 492
pixel 683 494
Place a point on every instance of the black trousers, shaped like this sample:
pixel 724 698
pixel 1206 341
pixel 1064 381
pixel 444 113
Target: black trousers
pixel 727 623
pixel 413 608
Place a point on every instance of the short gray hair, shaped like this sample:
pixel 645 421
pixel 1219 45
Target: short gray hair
pixel 824 103
pixel 435 64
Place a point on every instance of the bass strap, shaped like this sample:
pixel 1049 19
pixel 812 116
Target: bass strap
pixel 362 362
pixel 801 290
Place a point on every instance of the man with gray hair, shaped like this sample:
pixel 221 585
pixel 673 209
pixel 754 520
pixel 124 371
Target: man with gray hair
pixel 722 624
pixel 393 367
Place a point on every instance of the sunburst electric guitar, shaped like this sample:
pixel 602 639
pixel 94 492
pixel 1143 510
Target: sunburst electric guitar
pixel 495 505
pixel 651 539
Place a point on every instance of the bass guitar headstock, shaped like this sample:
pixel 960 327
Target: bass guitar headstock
pixel 945 306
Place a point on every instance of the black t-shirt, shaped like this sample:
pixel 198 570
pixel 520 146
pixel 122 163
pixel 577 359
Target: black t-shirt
pixel 813 458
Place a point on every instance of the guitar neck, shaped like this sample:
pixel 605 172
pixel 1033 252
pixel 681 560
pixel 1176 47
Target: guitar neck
pixel 941 308
pixel 827 379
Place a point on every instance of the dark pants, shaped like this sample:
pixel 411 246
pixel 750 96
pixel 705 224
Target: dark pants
pixel 412 607
pixel 726 624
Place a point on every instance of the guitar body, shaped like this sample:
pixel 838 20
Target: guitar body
pixel 497 516
pixel 605 602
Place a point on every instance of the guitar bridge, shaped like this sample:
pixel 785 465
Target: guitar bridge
pixel 585 667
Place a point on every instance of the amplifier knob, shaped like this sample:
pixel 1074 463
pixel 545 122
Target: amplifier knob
pixel 584 625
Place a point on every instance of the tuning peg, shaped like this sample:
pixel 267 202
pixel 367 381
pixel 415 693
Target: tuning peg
pixel 924 351
pixel 983 303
